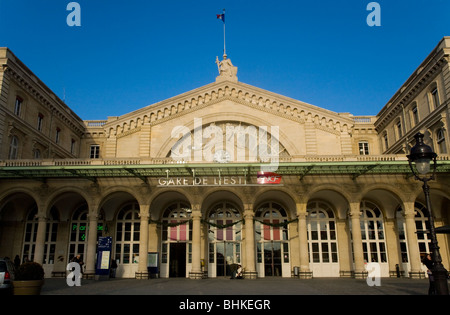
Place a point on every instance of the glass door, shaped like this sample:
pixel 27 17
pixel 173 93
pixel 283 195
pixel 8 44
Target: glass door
pixel 272 241
pixel 224 236
pixel 272 259
pixel 227 254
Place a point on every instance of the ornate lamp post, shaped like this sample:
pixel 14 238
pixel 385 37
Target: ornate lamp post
pixel 422 155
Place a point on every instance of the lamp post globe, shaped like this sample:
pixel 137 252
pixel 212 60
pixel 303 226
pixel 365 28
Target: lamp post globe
pixel 421 156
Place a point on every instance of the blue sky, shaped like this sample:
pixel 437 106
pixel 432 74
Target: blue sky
pixel 130 54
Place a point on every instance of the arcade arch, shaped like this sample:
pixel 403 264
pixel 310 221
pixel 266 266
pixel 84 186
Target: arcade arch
pixel 170 232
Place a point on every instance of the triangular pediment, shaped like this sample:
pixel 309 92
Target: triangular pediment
pixel 240 94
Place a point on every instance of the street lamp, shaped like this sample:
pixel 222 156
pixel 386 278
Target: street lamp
pixel 421 156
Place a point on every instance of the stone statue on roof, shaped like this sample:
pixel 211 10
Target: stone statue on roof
pixel 227 71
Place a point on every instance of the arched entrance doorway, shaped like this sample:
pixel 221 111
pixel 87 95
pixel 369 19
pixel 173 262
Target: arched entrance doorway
pixel 224 238
pixel 272 240
pixel 176 236
pixel 373 236
pixel 322 240
pixel 128 226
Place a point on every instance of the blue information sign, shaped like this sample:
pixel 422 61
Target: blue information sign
pixel 153 265
pixel 103 256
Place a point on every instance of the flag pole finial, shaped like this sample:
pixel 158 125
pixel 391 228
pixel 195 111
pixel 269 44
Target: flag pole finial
pixel 222 17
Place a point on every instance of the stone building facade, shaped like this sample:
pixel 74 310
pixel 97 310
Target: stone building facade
pixel 224 174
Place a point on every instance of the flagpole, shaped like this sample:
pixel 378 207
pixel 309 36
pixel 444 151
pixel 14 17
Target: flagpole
pixel 224 42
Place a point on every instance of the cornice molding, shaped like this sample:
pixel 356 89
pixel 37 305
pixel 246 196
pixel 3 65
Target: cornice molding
pixel 417 82
pixel 45 97
pixel 239 93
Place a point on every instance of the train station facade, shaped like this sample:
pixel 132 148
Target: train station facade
pixel 224 174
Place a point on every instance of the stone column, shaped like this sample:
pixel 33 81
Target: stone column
pixel 153 237
pixel 345 252
pixel 40 239
pixel 303 237
pixel 355 214
pixel 411 237
pixel 392 243
pixel 250 267
pixel 143 241
pixel 91 243
pixel 196 271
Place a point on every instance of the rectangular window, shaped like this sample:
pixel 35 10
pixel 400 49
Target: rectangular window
pixel 399 129
pixel 285 252
pixel 258 253
pixel 211 253
pixel 386 142
pixel 58 134
pixel 118 252
pixel 190 253
pixel 415 114
pixel 40 122
pixel 18 106
pixel 441 141
pixel 14 148
pixel 72 146
pixel 363 148
pixel 95 152
pixel 435 96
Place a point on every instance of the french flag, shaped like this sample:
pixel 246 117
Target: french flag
pixel 221 17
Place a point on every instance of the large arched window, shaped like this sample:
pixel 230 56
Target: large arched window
pixel 128 234
pixel 224 235
pixel 176 223
pixel 372 233
pixel 176 246
pixel 29 242
pixel 79 232
pixel 401 227
pixel 422 229
pixel 51 236
pixel 271 222
pixel 271 236
pixel 322 238
pixel 222 219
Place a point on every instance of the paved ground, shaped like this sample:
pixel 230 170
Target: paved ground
pixel 225 287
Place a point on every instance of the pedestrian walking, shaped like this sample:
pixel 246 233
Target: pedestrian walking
pixel 427 261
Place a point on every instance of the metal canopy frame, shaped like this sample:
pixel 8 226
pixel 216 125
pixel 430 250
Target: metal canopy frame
pixel 143 172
